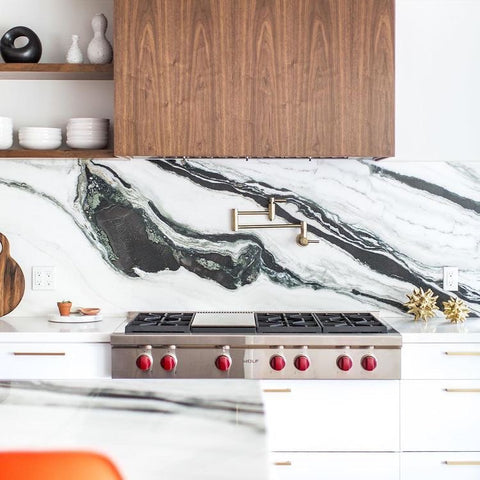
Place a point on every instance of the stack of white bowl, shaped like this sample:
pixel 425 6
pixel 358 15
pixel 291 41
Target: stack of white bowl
pixel 40 138
pixel 88 133
pixel 6 133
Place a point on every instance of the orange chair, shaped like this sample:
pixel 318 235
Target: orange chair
pixel 56 465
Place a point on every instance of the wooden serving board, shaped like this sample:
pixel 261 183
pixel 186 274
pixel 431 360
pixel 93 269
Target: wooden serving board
pixel 12 281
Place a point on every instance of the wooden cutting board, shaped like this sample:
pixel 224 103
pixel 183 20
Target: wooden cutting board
pixel 12 281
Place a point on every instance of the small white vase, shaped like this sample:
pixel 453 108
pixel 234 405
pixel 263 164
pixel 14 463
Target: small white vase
pixel 74 54
pixel 99 49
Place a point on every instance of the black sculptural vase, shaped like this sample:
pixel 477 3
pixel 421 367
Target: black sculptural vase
pixel 29 53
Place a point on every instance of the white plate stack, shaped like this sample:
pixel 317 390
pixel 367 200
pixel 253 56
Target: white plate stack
pixel 6 133
pixel 40 138
pixel 87 133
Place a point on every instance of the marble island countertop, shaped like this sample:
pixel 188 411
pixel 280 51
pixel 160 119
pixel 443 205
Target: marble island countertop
pixel 187 429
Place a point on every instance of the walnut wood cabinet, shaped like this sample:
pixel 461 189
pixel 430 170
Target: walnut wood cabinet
pixel 256 78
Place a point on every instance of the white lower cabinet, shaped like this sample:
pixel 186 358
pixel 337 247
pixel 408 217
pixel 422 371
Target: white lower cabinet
pixel 440 411
pixel 333 430
pixel 440 415
pixel 335 466
pixel 332 415
pixel 22 361
pixel 440 466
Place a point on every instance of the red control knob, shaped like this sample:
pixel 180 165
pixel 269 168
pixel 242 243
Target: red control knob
pixel 344 363
pixel 369 363
pixel 302 363
pixel 223 363
pixel 168 362
pixel 277 362
pixel 144 362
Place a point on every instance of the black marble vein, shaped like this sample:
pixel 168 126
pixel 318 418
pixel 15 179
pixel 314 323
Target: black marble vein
pixel 361 245
pixel 428 187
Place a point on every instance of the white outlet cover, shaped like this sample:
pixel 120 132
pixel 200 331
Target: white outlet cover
pixel 450 279
pixel 43 278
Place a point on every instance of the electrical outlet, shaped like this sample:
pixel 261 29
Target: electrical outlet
pixel 450 278
pixel 43 278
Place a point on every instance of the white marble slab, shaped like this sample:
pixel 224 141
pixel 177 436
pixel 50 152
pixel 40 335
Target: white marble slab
pixel 156 234
pixel 182 430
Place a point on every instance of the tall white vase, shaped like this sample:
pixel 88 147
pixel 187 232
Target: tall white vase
pixel 99 49
pixel 74 54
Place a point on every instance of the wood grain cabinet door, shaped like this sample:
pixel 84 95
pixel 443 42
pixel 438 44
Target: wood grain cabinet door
pixel 257 78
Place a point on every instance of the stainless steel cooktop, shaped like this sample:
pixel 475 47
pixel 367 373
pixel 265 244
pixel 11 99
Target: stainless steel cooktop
pixel 299 345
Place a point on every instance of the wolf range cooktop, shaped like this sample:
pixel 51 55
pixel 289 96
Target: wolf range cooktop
pixel 257 345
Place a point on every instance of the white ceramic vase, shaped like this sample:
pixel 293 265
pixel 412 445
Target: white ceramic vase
pixel 74 54
pixel 99 49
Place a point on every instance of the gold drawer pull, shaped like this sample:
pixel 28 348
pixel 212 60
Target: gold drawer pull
pixel 39 354
pixel 277 390
pixel 463 390
pixel 464 462
pixel 464 354
pixel 288 463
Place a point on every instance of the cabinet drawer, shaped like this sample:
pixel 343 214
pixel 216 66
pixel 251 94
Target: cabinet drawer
pixel 332 415
pixel 440 415
pixel 440 466
pixel 444 360
pixel 335 466
pixel 54 361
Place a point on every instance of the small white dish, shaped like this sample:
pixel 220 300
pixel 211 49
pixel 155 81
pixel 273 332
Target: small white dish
pixel 96 138
pixel 88 120
pixel 40 130
pixel 39 136
pixel 44 144
pixel 86 143
pixel 6 143
pixel 75 318
pixel 88 131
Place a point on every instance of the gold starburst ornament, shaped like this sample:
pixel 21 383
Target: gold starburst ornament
pixel 455 310
pixel 422 304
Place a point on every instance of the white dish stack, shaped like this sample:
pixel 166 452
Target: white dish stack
pixel 87 133
pixel 6 133
pixel 40 138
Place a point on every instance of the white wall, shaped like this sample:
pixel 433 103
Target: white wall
pixel 438 80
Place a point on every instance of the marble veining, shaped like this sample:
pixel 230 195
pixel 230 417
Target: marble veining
pixel 163 225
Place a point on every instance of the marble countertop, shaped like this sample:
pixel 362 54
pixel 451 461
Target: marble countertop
pixel 39 329
pixel 186 429
pixel 436 330
pixel 35 329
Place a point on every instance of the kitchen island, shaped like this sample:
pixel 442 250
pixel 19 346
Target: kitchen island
pixel 183 429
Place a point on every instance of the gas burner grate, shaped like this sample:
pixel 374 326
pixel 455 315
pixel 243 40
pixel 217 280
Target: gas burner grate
pixel 159 322
pixel 350 323
pixel 287 323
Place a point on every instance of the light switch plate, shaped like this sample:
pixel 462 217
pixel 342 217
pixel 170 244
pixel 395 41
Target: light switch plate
pixel 43 278
pixel 450 279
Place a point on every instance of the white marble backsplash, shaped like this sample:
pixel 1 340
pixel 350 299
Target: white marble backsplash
pixel 155 234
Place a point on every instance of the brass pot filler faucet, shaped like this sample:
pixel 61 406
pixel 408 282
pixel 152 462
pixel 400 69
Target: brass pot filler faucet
pixel 302 239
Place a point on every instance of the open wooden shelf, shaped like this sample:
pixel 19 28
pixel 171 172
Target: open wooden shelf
pixel 21 153
pixel 55 71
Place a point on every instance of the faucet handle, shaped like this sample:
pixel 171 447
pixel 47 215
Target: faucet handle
pixel 302 238
pixel 272 201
